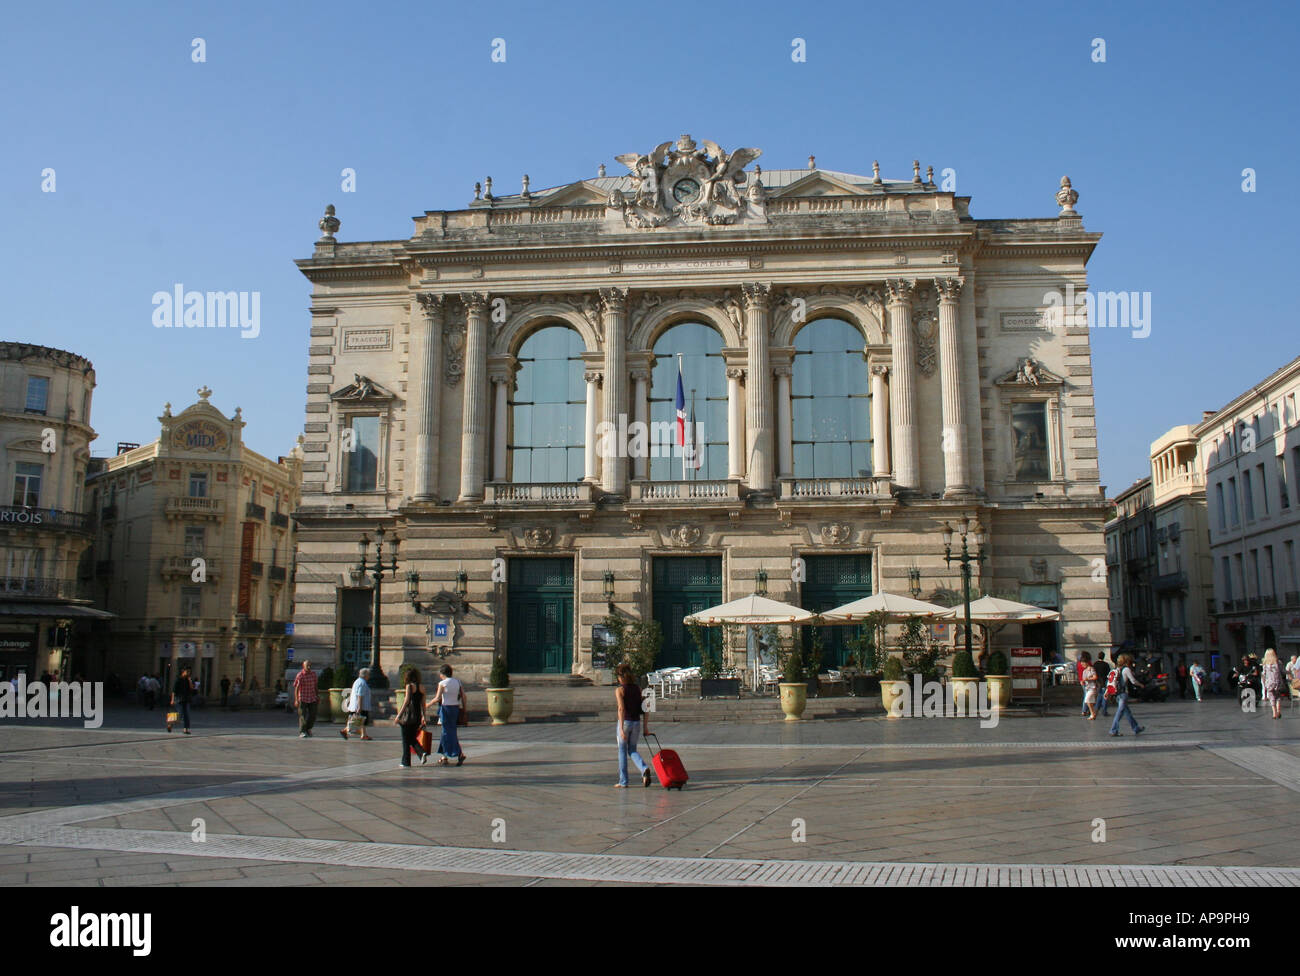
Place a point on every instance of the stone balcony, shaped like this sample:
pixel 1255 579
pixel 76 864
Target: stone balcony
pixel 184 506
pixel 183 566
pixel 44 519
pixel 669 492
pixel 575 493
pixel 43 588
pixel 836 489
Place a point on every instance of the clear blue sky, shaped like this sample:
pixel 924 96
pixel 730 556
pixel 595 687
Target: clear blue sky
pixel 214 175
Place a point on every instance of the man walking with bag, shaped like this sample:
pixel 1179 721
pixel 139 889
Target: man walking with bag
pixel 358 706
pixel 305 699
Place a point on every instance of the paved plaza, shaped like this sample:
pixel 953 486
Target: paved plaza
pixel 1207 796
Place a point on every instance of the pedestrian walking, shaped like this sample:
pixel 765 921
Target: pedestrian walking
pixel 1124 685
pixel 182 693
pixel 142 686
pixel 450 699
pixel 1102 667
pixel 631 717
pixel 225 690
pixel 1197 675
pixel 358 705
pixel 1081 665
pixel 1090 691
pixel 1181 674
pixel 411 719
pixel 305 699
pixel 1271 680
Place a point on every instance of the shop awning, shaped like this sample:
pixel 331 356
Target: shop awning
pixel 70 611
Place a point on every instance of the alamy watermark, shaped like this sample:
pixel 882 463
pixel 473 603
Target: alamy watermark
pixel 1099 310
pixel 181 309
pixel 20 698
pixel 646 440
pixel 932 699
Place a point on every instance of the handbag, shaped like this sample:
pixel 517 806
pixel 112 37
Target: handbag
pixel 173 718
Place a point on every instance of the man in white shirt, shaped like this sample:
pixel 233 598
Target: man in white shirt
pixel 358 705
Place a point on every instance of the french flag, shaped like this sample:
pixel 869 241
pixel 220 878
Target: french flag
pixel 681 408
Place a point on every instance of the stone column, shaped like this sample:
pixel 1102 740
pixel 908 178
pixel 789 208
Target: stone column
pixel 956 465
pixel 784 424
pixel 735 432
pixel 907 456
pixel 426 357
pixel 589 471
pixel 758 387
pixel 613 304
pixel 641 413
pixel 880 421
pixel 474 433
pixel 501 383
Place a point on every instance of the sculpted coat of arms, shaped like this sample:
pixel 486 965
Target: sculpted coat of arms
pixel 690 184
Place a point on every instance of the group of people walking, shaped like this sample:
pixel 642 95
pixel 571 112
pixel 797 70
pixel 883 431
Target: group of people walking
pixel 1103 684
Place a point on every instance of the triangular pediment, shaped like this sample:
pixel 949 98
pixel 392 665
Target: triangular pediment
pixel 1029 373
pixel 362 388
pixel 580 194
pixel 819 184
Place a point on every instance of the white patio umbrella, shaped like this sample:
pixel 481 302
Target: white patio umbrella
pixel 895 606
pixel 992 610
pixel 752 609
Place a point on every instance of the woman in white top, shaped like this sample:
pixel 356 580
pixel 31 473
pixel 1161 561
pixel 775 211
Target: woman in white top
pixel 450 699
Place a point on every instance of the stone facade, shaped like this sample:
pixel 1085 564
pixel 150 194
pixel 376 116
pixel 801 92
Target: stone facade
pixel 45 437
pixel 194 551
pixel 415 343
pixel 1251 454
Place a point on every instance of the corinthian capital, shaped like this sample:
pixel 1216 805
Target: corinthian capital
pixel 613 300
pixel 948 288
pixel 433 305
pixel 476 302
pixel 900 289
pixel 757 294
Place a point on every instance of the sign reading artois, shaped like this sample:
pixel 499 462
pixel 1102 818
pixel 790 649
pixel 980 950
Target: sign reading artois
pixel 684 183
pixel 200 435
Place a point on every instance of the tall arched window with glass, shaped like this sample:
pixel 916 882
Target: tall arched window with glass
pixel 548 408
pixel 704 390
pixel 830 402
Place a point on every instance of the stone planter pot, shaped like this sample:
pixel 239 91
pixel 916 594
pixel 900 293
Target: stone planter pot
pixel 501 703
pixel 399 699
pixel 337 696
pixel 999 690
pixel 719 688
pixel 794 699
pixel 891 691
pixel 965 691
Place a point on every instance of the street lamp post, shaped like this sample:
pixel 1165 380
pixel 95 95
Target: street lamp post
pixel 376 571
pixel 966 557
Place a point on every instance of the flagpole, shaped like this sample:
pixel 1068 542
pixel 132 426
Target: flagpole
pixel 695 448
pixel 683 444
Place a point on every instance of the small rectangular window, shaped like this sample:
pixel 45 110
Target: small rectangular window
pixel 1030 448
pixel 191 601
pixel 198 485
pixel 27 484
pixel 195 541
pixel 38 394
pixel 362 460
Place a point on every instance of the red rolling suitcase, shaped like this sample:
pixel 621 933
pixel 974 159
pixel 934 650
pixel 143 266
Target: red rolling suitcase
pixel 668 765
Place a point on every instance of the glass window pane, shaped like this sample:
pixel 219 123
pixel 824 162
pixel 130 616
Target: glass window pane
pixel 549 415
pixel 363 459
pixel 830 409
pixel 704 390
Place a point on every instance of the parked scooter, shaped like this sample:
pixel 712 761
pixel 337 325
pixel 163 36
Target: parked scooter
pixel 1155 683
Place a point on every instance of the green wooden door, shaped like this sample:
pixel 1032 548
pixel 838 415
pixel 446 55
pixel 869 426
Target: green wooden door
pixel 833 581
pixel 539 613
pixel 684 585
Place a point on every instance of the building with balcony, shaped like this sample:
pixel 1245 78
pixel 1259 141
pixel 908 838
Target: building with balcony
pixel 194 550
pixel 1251 454
pixel 1130 570
pixel 45 437
pixel 1183 584
pixel 859 361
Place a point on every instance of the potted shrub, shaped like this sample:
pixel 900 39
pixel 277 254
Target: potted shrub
pixel 712 684
pixel 635 643
pixel 794 681
pixel 999 679
pixel 500 696
pixel 893 685
pixel 343 677
pixel 323 680
pixel 920 652
pixel 965 681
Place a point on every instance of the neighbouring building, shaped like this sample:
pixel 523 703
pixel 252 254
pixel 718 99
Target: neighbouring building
pixel 1182 583
pixel 860 361
pixel 1251 452
pixel 1131 567
pixel 45 437
pixel 194 551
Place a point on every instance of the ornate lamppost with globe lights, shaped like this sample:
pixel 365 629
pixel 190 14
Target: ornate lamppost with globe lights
pixel 965 557
pixel 377 570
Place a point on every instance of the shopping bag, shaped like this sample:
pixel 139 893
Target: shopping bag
pixel 424 739
pixel 173 718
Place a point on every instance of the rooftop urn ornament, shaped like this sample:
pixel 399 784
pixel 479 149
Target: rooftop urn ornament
pixel 167 409
pixel 812 162
pixel 478 191
pixel 487 189
pixel 525 194
pixel 875 173
pixel 329 224
pixel 929 176
pixel 1067 197
pixel 601 172
pixel 916 172
pixel 204 393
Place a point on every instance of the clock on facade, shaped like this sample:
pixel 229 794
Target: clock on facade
pixel 685 190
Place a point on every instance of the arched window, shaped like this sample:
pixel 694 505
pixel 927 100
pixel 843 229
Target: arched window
pixel 830 406
pixel 704 387
pixel 549 404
